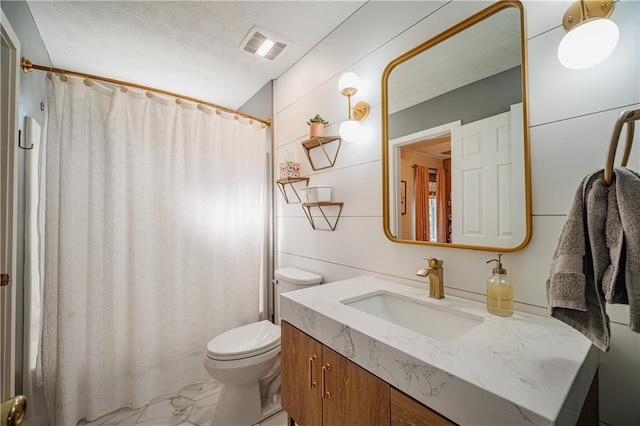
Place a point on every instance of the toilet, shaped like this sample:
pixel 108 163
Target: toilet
pixel 246 361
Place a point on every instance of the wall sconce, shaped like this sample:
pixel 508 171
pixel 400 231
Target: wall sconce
pixel 350 130
pixel 591 36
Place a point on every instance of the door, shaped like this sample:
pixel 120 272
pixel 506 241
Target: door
pixel 300 373
pixel 353 396
pixel 10 47
pixel 483 183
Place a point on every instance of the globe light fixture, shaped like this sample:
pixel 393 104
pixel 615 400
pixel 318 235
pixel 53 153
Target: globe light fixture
pixel 350 130
pixel 591 35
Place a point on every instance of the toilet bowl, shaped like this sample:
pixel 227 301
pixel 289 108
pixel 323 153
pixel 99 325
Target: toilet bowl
pixel 246 361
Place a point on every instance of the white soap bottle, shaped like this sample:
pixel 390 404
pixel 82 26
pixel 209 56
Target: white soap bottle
pixel 499 291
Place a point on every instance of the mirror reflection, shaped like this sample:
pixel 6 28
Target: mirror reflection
pixel 455 136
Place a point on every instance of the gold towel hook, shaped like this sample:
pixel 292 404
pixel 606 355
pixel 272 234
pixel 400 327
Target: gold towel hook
pixel 627 117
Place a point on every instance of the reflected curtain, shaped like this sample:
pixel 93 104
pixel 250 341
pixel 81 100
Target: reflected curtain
pixel 154 230
pixel 441 205
pixel 422 203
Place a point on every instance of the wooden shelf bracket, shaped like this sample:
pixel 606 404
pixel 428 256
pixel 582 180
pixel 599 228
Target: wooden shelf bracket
pixel 290 181
pixel 321 141
pixel 307 211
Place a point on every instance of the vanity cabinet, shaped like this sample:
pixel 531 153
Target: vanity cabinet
pixel 321 387
pixel 406 411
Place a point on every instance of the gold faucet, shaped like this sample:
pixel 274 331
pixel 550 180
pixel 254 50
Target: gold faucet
pixel 435 273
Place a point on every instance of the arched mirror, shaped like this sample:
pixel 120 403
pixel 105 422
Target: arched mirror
pixel 455 137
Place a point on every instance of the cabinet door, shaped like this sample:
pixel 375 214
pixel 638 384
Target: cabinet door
pixel 300 369
pixel 352 395
pixel 405 411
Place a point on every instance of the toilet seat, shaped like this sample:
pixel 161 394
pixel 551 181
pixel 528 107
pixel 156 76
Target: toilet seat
pixel 244 342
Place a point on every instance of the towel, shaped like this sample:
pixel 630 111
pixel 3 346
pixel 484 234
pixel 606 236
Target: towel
pixel 574 291
pixel 598 256
pixel 613 284
pixel 628 197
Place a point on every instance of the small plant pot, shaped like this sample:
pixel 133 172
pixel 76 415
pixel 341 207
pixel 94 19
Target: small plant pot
pixel 316 130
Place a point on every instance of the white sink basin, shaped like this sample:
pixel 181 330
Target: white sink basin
pixel 438 322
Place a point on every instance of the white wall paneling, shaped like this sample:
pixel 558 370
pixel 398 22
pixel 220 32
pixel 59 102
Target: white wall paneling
pixel 324 98
pixel 570 149
pixel 364 32
pixel 572 114
pixel 557 93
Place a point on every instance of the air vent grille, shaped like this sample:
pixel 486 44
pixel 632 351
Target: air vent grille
pixel 254 42
pixel 275 51
pixel 256 36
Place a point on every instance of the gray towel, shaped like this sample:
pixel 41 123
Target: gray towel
pixel 598 256
pixel 628 197
pixel 613 278
pixel 574 291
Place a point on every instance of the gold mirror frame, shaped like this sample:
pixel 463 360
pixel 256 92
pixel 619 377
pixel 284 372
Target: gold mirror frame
pixel 485 13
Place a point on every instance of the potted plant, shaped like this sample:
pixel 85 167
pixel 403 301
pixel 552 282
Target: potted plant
pixel 316 126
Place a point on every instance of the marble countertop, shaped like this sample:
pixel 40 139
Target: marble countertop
pixel 523 369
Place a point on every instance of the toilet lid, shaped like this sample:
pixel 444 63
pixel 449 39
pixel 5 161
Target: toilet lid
pixel 247 340
pixel 297 276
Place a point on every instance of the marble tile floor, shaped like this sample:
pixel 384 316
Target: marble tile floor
pixel 193 405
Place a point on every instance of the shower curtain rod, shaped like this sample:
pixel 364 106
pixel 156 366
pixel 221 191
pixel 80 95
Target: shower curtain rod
pixel 28 66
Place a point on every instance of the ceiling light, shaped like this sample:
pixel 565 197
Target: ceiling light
pixel 591 36
pixel 265 47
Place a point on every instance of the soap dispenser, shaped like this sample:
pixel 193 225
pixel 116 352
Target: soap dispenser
pixel 499 291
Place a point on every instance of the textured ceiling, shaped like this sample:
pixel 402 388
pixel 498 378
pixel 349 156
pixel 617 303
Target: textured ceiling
pixel 187 47
pixel 482 50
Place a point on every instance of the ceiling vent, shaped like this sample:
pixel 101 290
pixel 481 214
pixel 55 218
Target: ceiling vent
pixel 264 43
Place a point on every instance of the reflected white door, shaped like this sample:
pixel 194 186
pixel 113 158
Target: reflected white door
pixel 484 189
pixel 8 202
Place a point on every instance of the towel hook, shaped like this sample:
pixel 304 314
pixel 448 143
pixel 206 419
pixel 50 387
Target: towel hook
pixel 627 117
pixel 26 148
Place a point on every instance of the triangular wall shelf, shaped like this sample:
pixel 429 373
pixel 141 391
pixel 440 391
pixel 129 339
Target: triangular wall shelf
pixel 290 181
pixel 321 141
pixel 307 211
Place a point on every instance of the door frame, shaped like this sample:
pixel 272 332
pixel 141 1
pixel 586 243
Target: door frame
pixel 395 167
pixel 9 206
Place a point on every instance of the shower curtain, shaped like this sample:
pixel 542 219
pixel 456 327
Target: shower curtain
pixel 154 231
pixel 33 272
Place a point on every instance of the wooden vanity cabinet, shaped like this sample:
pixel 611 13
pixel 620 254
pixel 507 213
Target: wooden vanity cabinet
pixel 301 361
pixel 355 397
pixel 321 387
pixel 405 411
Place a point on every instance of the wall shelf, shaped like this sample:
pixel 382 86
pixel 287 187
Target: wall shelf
pixel 290 181
pixel 320 206
pixel 321 141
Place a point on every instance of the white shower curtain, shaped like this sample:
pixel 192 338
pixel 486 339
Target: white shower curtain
pixel 154 230
pixel 33 272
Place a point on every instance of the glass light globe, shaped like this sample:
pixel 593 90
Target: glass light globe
pixel 588 43
pixel 348 80
pixel 350 131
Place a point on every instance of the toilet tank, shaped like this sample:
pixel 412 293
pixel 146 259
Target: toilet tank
pixel 290 279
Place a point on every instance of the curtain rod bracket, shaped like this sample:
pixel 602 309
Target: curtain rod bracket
pixel 27 66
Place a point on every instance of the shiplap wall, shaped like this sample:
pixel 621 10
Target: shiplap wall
pixel 571 117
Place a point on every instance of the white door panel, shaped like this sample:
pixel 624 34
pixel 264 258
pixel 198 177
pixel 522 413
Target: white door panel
pixel 485 181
